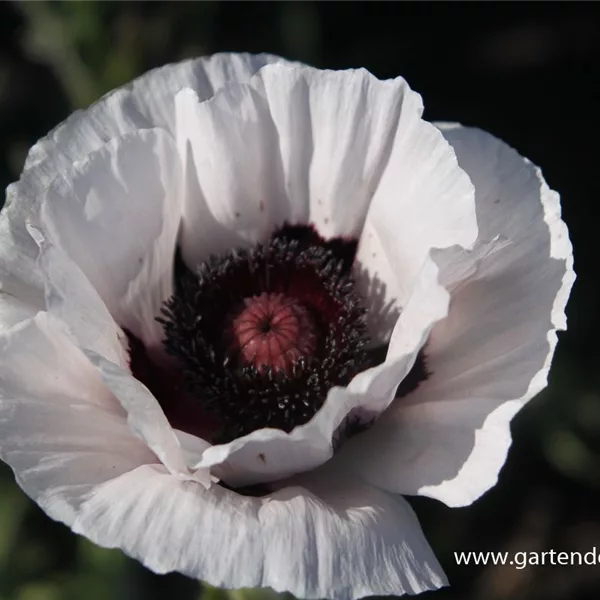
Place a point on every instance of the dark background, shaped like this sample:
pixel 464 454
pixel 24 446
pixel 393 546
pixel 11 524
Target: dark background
pixel 527 72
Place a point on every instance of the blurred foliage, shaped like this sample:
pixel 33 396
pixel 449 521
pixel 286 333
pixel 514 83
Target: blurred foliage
pixel 528 72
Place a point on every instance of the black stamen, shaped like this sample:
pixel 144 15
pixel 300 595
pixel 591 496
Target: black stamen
pixel 197 321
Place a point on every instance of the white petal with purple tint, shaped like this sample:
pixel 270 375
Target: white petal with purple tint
pixel 323 536
pixel 61 429
pixel 117 214
pixel 449 439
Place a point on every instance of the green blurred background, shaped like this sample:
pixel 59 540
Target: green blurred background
pixel 527 72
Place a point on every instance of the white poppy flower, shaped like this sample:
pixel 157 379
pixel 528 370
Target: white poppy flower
pixel 247 438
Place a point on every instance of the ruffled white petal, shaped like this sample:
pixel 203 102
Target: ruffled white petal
pixel 155 91
pixel 336 131
pixel 449 438
pixel 117 215
pixel 424 201
pixel 294 144
pixel 148 101
pixel 322 538
pixel 61 430
pixel 272 454
pixel 234 181
pixel 427 305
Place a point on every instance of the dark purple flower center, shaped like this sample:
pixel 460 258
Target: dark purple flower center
pixel 259 336
pixel 262 334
